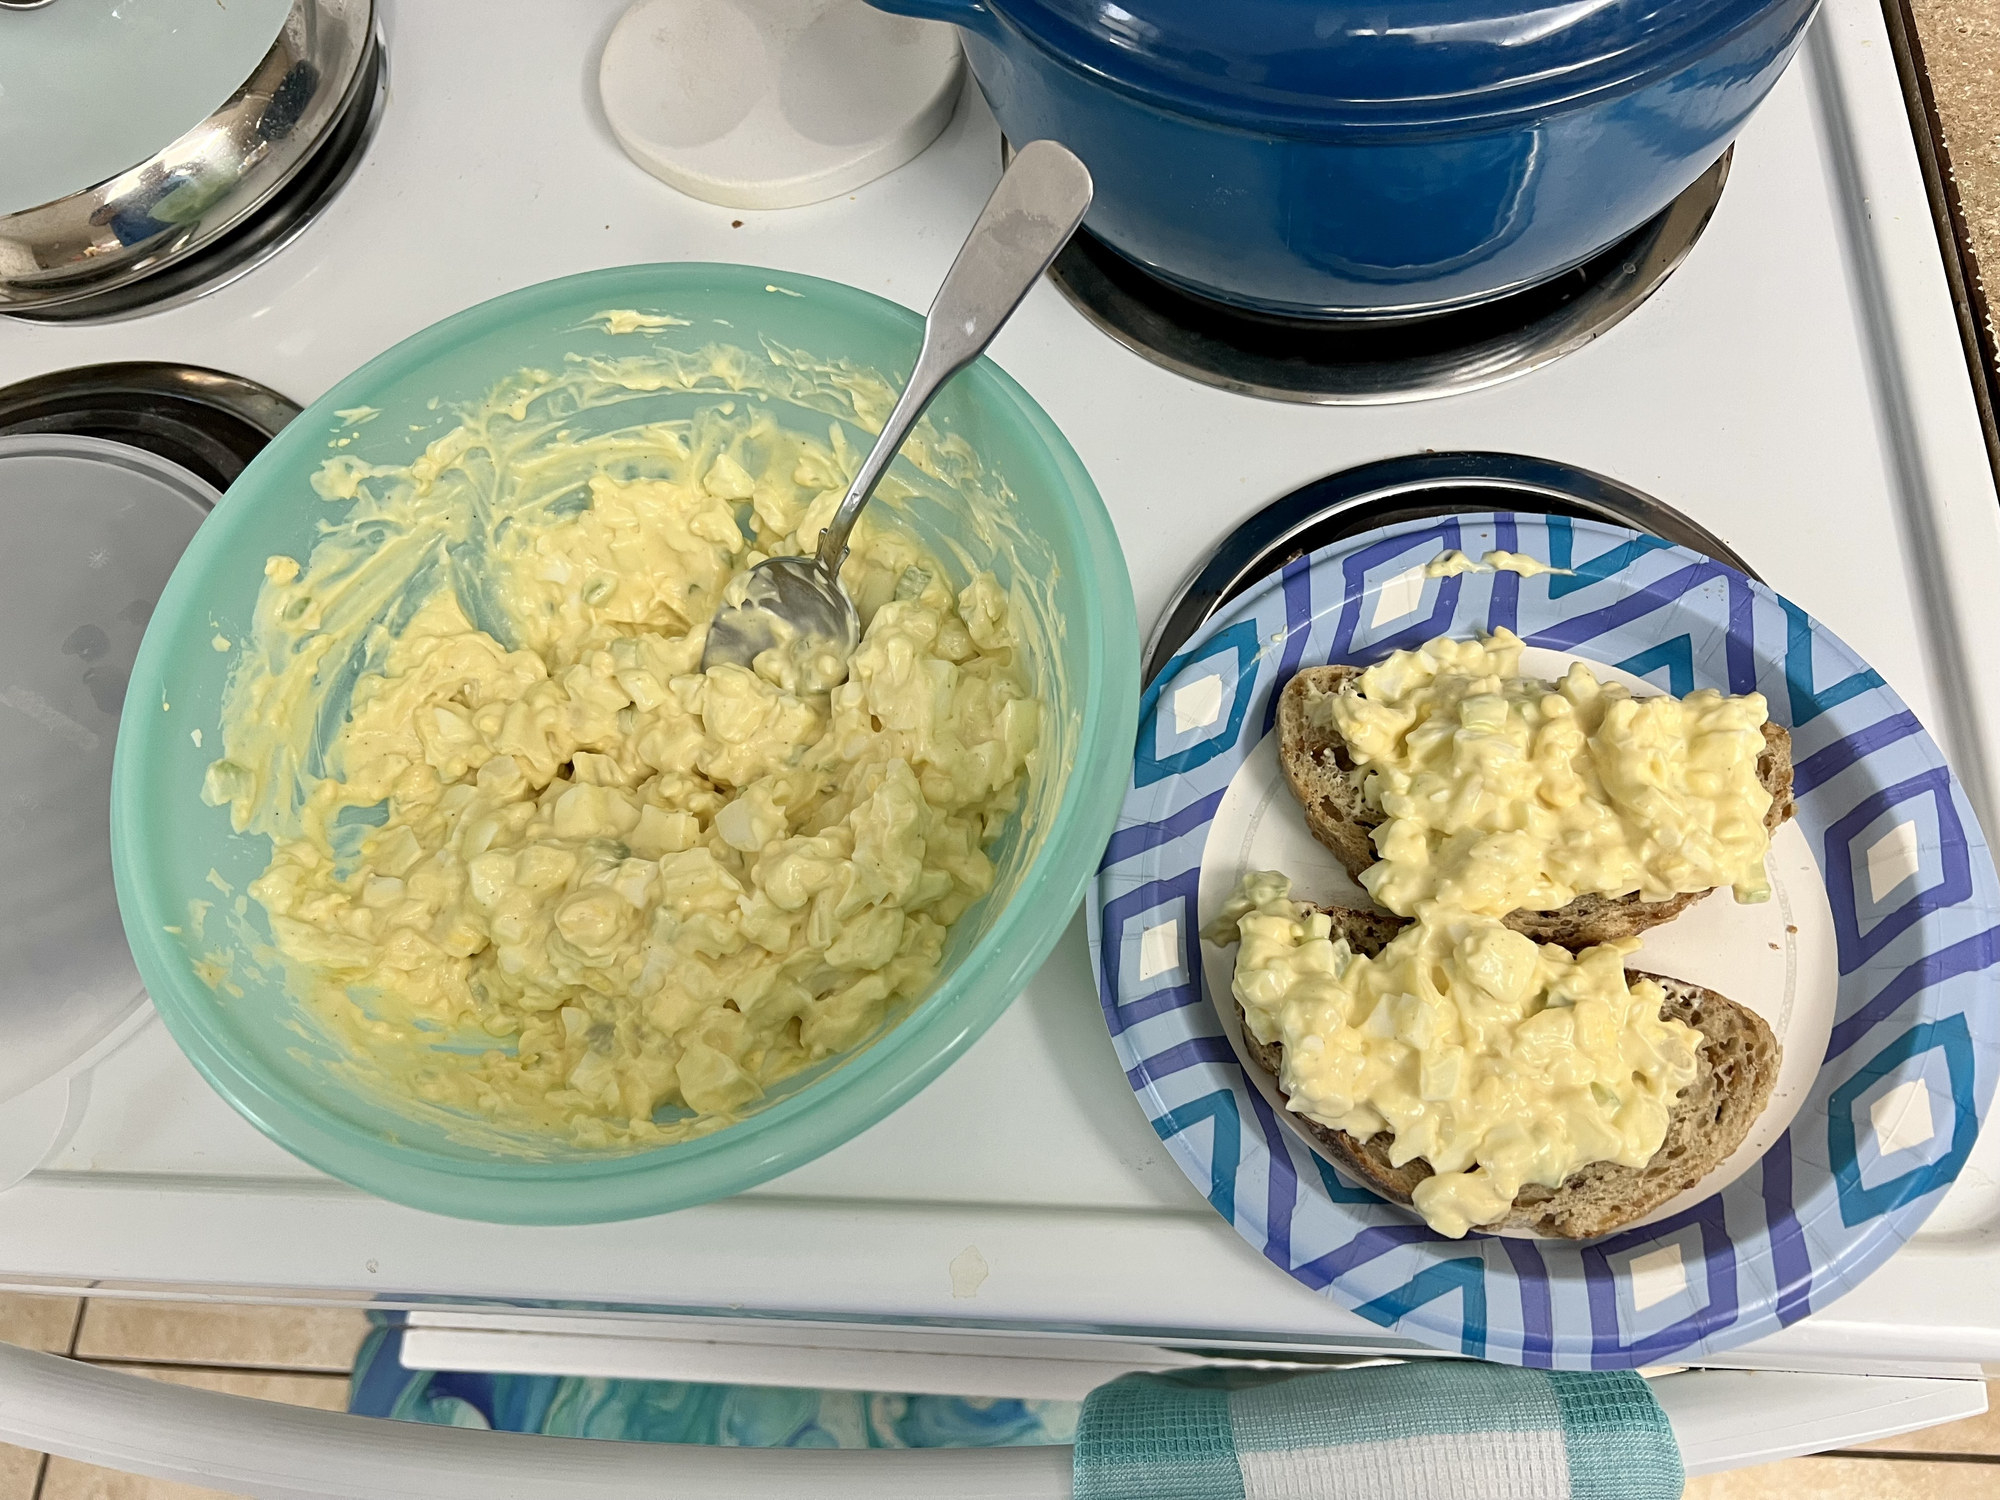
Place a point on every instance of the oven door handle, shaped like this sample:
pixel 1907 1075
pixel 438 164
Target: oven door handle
pixel 279 1452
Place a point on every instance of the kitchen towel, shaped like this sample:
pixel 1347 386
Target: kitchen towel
pixel 1427 1430
pixel 1435 1429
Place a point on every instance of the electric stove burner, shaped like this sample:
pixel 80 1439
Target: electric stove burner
pixel 1363 361
pixel 208 423
pixel 1407 489
pixel 263 233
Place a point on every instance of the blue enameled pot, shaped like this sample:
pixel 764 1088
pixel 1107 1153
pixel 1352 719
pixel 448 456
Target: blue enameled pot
pixel 1374 157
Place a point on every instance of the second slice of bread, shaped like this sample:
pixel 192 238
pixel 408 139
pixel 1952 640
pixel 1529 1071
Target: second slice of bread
pixel 1737 1068
pixel 1328 785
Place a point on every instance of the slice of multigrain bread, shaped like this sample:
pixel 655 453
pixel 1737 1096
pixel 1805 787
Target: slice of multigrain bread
pixel 1738 1064
pixel 1324 779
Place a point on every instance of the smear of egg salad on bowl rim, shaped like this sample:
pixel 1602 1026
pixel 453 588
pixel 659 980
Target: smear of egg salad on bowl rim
pixel 530 863
pixel 1500 1062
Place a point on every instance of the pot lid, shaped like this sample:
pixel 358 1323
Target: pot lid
pixel 90 88
pixel 93 529
pixel 1365 63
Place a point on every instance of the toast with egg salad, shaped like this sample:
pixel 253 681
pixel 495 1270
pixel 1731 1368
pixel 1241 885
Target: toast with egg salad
pixel 1491 1082
pixel 1573 810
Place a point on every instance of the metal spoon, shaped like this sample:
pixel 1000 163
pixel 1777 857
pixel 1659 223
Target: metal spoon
pixel 796 604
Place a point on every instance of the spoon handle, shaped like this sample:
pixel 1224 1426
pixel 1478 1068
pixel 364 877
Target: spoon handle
pixel 1032 213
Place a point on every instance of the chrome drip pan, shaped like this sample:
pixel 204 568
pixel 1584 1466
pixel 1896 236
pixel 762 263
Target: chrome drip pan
pixel 1406 489
pixel 1368 361
pixel 208 422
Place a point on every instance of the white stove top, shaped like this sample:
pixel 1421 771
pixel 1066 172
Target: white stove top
pixel 1798 387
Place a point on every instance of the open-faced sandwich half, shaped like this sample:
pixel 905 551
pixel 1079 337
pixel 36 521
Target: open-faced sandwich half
pixel 1442 773
pixel 1479 1050
pixel 1490 1081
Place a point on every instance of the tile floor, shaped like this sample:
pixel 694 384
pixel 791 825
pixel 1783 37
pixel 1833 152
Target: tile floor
pixel 1961 47
pixel 302 1355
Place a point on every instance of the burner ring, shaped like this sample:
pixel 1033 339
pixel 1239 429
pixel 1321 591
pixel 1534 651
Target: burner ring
pixel 1355 500
pixel 208 422
pixel 1377 360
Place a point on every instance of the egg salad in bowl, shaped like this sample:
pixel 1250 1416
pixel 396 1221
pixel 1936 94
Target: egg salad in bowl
pixel 485 895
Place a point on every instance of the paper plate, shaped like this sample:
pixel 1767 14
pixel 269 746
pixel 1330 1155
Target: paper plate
pixel 1874 962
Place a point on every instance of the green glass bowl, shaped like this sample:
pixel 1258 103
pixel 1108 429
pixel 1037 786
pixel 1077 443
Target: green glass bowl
pixel 265 1053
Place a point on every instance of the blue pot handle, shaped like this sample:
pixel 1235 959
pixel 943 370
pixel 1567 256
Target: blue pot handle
pixel 970 14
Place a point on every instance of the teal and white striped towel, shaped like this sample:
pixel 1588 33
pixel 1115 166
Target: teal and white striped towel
pixel 1428 1430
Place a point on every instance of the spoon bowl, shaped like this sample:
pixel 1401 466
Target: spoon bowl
pixel 794 615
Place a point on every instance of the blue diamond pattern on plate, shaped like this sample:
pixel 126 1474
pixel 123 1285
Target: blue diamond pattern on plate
pixel 1915 1049
pixel 1656 1290
pixel 1903 1124
pixel 1197 712
pixel 1898 854
pixel 1147 950
pixel 1387 602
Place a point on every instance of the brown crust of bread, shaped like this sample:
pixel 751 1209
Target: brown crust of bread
pixel 1324 779
pixel 1738 1068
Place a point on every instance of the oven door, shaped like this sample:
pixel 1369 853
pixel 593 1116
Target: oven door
pixel 1723 1418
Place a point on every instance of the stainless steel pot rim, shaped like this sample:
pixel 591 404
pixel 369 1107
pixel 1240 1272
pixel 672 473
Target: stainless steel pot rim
pixel 199 186
pixel 247 243
pixel 1345 504
pixel 1335 362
